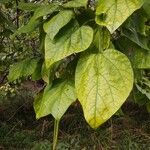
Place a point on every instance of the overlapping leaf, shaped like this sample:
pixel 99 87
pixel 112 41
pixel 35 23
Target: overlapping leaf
pixel 101 38
pixel 114 12
pixel 103 82
pixel 141 58
pixel 53 26
pixel 22 69
pixel 76 3
pixel 146 7
pixel 72 40
pixel 28 6
pixel 35 20
pixel 55 100
pixel 137 38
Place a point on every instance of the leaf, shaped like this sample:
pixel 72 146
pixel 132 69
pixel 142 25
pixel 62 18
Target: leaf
pixel 102 38
pixel 73 40
pixel 76 3
pixel 141 59
pixel 44 10
pixel 37 72
pixel 137 38
pixel 55 100
pixel 22 69
pixel 35 21
pixel 53 26
pixel 146 7
pixel 31 26
pixel 136 22
pixel 49 73
pixel 103 81
pixel 146 92
pixel 113 13
pixel 28 6
pixel 148 106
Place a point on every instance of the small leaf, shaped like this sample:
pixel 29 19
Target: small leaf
pixel 53 26
pixel 44 10
pixel 102 38
pixel 103 82
pixel 31 26
pixel 35 20
pixel 28 6
pixel 73 40
pixel 114 12
pixel 55 100
pixel 76 3
pixel 146 92
pixel 22 69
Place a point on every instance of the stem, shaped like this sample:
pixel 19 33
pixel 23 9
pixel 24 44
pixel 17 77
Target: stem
pixel 55 136
pixel 17 17
pixel 99 42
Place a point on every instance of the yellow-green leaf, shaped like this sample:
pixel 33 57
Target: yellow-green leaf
pixel 72 41
pixel 76 3
pixel 53 26
pixel 55 100
pixel 103 82
pixel 112 13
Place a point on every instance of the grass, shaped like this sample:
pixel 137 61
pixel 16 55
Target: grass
pixel 19 130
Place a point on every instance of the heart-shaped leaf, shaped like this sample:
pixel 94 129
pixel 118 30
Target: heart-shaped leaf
pixel 103 82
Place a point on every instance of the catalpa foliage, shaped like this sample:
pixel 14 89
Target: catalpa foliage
pixel 90 51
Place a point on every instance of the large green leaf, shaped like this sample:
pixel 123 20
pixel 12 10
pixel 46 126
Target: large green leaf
pixel 112 13
pixel 22 69
pixel 53 26
pixel 76 3
pixel 103 82
pixel 71 41
pixel 55 100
